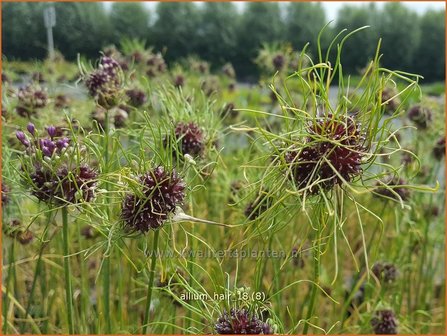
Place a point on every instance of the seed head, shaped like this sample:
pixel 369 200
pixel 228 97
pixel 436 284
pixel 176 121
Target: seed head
pixel 240 321
pixel 189 138
pixel 439 149
pixel 179 81
pixel 386 272
pixel 384 322
pixel 332 153
pixel 162 191
pixel 421 116
pixel 137 98
pixel 50 177
pixel 31 98
pixel 278 61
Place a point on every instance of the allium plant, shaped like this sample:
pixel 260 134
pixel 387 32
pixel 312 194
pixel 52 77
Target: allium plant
pixel 161 193
pixel 105 83
pixel 326 152
pixel 56 171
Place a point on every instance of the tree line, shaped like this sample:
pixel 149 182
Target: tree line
pixel 221 32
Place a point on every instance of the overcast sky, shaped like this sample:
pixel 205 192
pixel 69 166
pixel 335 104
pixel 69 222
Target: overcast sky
pixel 332 7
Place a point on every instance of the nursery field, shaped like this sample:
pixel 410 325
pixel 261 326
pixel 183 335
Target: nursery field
pixel 144 198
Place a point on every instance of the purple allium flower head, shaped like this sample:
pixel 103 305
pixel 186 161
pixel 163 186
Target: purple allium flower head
pixel 162 191
pixel 384 322
pixel 240 321
pixel 191 138
pixel 137 97
pixel 386 272
pixel 333 153
pixel 439 149
pixel 55 180
pixel 30 99
pixel 421 116
pixel 278 61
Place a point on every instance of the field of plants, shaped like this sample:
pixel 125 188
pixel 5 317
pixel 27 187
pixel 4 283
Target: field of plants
pixel 144 198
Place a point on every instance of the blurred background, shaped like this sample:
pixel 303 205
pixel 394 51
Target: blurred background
pixel 412 32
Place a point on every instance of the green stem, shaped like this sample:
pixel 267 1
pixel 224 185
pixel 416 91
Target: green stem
pixel 106 263
pixel 37 271
pixel 68 289
pixel 151 281
pixel 313 295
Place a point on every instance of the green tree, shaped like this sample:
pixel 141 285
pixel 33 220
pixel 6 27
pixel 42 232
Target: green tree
pixel 217 34
pixel 23 32
pixel 361 46
pixel 400 33
pixel 129 20
pixel 176 28
pixel 81 28
pixel 261 22
pixel 430 54
pixel 304 20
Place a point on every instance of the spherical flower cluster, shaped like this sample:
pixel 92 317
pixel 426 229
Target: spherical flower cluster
pixel 5 192
pixel 189 138
pixel 394 189
pixel 179 81
pixel 137 98
pixel 52 169
pixel 156 65
pixel 162 191
pixel 333 152
pixel 439 149
pixel 104 83
pixel 228 70
pixel 421 116
pixel 384 322
pixel 31 98
pixel 386 272
pixel 240 321
pixel 278 61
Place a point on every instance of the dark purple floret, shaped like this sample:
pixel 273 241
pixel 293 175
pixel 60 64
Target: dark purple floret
pixel 332 153
pixel 161 193
pixel 384 322
pixel 240 321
